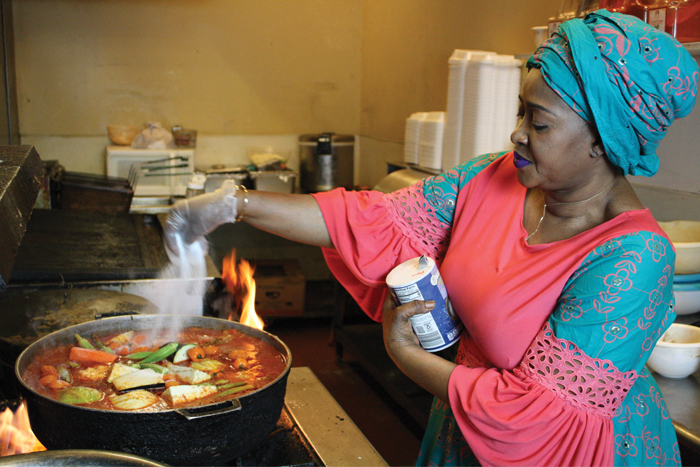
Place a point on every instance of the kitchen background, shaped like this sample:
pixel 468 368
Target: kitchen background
pixel 263 72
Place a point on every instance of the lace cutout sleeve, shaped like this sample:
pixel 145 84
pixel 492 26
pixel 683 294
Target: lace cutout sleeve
pixel 590 384
pixel 424 211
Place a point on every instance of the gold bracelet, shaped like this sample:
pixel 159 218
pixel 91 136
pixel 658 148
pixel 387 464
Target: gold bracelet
pixel 245 202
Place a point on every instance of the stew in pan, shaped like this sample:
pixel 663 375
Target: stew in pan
pixel 134 371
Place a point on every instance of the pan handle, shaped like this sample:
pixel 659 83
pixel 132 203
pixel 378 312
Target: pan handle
pixel 234 404
pixel 114 313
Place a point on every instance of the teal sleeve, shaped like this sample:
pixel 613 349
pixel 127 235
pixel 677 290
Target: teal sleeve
pixel 441 191
pixel 620 300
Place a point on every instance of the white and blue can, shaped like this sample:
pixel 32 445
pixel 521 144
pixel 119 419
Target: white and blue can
pixel 419 279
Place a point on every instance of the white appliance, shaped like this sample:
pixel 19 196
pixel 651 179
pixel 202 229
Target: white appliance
pixel 152 172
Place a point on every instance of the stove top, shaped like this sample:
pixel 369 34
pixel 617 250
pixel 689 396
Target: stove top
pixel 285 446
pixel 313 430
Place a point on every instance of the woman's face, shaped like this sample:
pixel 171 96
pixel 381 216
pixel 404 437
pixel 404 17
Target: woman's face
pixel 555 148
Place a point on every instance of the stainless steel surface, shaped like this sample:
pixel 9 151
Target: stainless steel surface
pixel 682 398
pixel 77 458
pixel 332 433
pixel 151 204
pixel 400 179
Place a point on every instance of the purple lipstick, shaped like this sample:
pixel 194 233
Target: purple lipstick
pixel 520 161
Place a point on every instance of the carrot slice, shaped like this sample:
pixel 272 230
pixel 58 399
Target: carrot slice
pixel 80 354
pixel 46 380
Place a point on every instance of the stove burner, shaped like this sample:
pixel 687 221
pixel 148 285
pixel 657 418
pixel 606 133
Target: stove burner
pixel 285 446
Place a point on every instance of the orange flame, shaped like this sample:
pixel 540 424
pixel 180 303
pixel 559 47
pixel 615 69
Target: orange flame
pixel 16 436
pixel 240 283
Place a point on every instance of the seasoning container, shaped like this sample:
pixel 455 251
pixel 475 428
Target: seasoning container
pixel 196 185
pixel 419 279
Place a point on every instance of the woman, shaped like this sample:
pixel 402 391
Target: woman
pixel 560 275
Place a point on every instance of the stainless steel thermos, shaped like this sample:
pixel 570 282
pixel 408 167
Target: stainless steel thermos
pixel 326 162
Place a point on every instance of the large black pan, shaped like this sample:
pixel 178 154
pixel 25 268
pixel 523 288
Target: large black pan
pixel 208 435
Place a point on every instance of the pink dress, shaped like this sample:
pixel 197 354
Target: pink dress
pixel 519 304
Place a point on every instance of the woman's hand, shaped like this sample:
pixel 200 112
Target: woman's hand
pixel 426 369
pixel 398 332
pixel 191 219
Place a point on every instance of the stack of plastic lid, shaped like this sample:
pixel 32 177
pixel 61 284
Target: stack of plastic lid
pixel 411 147
pixel 431 138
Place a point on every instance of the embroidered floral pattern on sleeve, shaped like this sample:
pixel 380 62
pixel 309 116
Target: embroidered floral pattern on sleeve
pixel 620 299
pixel 425 210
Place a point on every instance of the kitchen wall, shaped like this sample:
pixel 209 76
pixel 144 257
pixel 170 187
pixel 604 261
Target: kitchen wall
pixel 239 71
pixel 232 69
pixel 263 72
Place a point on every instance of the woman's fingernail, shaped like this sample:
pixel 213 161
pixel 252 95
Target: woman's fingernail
pixel 430 304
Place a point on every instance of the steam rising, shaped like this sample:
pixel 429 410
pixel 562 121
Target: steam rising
pixel 184 286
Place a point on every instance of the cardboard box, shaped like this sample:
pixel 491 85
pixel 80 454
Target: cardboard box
pixel 280 288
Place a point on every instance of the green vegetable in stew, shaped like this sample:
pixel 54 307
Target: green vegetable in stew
pixel 79 395
pixel 235 390
pixel 160 354
pixel 139 355
pixel 84 343
pixel 63 373
pixel 155 367
pixel 104 347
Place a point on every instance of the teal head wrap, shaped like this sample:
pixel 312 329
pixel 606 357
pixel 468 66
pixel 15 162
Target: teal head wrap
pixel 624 76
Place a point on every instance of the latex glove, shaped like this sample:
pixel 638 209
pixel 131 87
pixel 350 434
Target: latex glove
pixel 191 219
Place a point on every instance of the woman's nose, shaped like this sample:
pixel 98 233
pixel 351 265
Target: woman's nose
pixel 519 136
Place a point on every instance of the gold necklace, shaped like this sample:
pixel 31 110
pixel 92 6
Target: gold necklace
pixel 544 210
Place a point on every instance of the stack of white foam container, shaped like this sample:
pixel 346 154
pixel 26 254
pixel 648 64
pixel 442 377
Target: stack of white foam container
pixel 411 146
pixel 482 106
pixel 490 96
pixel 431 141
pixel 455 107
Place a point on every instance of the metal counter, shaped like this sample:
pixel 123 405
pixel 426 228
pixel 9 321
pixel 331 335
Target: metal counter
pixel 682 396
pixel 334 436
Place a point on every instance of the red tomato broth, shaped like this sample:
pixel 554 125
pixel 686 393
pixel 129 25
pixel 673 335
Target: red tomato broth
pixel 265 364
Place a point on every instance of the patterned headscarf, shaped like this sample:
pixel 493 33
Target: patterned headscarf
pixel 628 78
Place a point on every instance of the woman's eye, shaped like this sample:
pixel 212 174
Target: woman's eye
pixel 539 127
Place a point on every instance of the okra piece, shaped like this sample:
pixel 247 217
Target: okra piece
pixel 104 348
pixel 162 353
pixel 139 355
pixel 155 367
pixel 84 343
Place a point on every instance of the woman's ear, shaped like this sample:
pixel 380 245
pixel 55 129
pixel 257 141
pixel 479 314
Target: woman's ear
pixel 597 149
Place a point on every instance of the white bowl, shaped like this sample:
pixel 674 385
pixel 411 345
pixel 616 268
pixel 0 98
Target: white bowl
pixel 687 298
pixel 687 301
pixel 685 236
pixel 677 352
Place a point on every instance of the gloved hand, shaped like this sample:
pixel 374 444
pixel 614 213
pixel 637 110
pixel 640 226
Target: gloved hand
pixel 191 219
